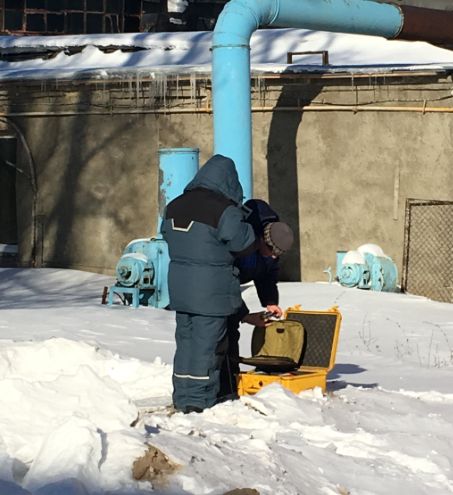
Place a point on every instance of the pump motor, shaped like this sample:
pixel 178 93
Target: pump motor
pixel 142 272
pixel 367 268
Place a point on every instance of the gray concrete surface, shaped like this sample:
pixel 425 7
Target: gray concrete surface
pixel 340 178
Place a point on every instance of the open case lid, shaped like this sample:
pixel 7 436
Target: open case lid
pixel 277 347
pixel 322 330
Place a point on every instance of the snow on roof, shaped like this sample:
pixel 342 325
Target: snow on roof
pixel 101 55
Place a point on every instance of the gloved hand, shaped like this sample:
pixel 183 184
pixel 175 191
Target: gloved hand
pixel 256 319
pixel 275 310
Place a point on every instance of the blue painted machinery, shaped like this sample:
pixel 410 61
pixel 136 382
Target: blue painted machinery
pixel 142 270
pixel 374 272
pixel 141 274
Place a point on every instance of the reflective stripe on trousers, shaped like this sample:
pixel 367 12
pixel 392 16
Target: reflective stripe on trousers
pixel 200 350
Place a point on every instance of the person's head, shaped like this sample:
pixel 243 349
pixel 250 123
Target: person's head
pixel 277 239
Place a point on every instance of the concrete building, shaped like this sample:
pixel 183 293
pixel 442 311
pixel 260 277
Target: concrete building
pixel 123 16
pixel 106 16
pixel 337 154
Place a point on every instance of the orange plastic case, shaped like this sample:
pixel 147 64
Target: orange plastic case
pixel 322 329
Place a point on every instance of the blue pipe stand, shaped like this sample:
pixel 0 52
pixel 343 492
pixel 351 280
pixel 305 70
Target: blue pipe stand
pixel 142 271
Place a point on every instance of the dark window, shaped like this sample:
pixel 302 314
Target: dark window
pixel 152 7
pixel 94 23
pixel 95 5
pixel 113 6
pixel 36 22
pixel 201 24
pixel 36 4
pixel 55 23
pixel 131 24
pixel 133 7
pixel 75 4
pixel 112 23
pixel 14 4
pixel 13 20
pixel 8 214
pixel 56 5
pixel 154 23
pixel 75 24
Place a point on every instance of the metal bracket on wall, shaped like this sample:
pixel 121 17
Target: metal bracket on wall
pixel 323 53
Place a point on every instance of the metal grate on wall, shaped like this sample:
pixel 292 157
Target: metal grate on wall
pixel 428 249
pixel 103 16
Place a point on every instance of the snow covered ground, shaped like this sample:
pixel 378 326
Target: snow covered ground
pixel 74 375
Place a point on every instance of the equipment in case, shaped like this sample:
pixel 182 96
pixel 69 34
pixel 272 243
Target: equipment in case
pixel 296 352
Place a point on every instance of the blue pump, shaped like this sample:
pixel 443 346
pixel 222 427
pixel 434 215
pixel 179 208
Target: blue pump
pixel 141 274
pixel 378 273
pixel 142 270
pixel 354 275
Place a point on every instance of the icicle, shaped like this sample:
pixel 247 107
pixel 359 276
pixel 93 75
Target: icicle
pixel 193 89
pixel 260 86
pixel 150 91
pixel 164 84
pixel 208 93
pixel 131 89
pixel 159 87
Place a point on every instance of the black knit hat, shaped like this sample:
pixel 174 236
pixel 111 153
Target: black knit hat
pixel 279 237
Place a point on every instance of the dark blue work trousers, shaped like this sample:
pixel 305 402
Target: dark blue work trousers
pixel 201 345
pixel 230 367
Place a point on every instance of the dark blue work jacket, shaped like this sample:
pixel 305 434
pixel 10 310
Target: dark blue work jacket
pixel 263 271
pixel 206 229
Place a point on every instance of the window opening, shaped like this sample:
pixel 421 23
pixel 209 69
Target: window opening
pixel 8 212
pixel 98 16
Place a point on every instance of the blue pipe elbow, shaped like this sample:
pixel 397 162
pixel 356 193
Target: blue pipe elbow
pixel 231 58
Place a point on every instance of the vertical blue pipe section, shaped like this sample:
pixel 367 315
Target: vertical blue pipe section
pixel 177 167
pixel 232 114
pixel 231 58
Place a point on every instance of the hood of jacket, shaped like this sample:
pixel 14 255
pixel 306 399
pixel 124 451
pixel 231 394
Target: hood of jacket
pixel 219 174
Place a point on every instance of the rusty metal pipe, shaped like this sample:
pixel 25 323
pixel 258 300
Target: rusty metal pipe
pixel 420 24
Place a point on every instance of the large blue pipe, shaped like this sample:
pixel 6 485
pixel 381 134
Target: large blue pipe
pixel 177 167
pixel 231 57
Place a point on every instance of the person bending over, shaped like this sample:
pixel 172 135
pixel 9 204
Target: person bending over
pixel 262 267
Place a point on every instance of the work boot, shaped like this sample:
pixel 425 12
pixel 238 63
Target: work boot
pixel 191 409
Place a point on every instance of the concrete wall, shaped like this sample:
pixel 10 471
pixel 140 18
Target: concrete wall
pixel 340 178
pixel 98 181
pixel 344 179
